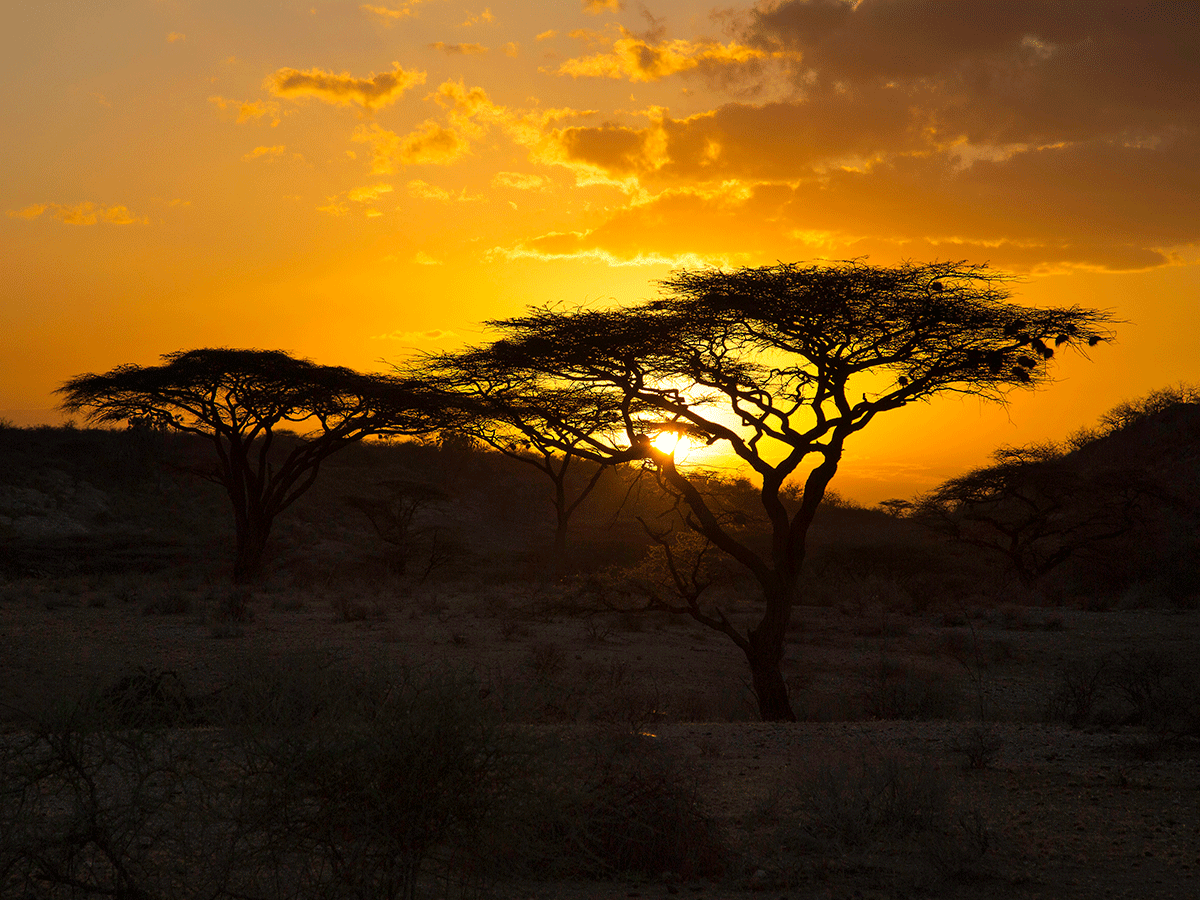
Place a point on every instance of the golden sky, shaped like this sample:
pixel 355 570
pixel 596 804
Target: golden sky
pixel 355 181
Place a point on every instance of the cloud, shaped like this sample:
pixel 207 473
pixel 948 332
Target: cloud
pixel 512 49
pixel 388 14
pixel 429 144
pixel 368 193
pixel 335 206
pixel 546 35
pixel 557 246
pixel 247 110
pixel 29 212
pixel 485 16
pixel 460 49
pixel 86 213
pixel 344 90
pixel 1033 71
pixel 424 259
pixel 258 152
pixel 175 36
pixel 423 190
pixel 637 60
pixel 426 191
pixel 599 6
pixel 520 181
pixel 1097 205
pixel 433 335
pixel 339 204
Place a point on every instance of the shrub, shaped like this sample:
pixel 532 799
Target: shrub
pixel 620 805
pixel 871 810
pixel 373 786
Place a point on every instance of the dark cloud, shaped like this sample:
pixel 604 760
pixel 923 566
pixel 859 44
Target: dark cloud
pixel 1006 70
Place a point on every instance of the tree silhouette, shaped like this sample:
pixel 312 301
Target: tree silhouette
pixel 1035 506
pixel 495 408
pixel 240 400
pixel 776 365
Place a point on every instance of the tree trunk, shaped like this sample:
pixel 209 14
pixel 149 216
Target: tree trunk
pixel 771 690
pixel 764 652
pixel 252 532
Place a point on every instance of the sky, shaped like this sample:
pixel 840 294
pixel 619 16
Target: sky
pixel 359 182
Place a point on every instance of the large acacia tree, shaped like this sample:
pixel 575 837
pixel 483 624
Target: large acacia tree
pixel 239 400
pixel 780 365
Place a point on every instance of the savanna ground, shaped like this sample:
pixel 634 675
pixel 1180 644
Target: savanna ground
pixel 164 731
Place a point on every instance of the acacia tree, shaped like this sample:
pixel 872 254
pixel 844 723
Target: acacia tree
pixel 781 365
pixel 239 400
pixel 544 432
pixel 1035 506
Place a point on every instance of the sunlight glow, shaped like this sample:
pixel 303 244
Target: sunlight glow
pixel 669 441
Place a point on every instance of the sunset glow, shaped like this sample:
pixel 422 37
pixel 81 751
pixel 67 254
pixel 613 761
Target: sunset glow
pixel 356 182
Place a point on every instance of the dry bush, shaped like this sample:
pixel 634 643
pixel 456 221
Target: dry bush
pixel 1154 689
pixel 322 783
pixel 87 809
pixel 545 660
pixel 896 691
pixel 870 810
pixel 167 603
pixel 618 805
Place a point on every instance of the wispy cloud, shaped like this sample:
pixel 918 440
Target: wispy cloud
pixel 459 49
pixel 86 213
pixel 577 245
pixel 345 90
pixel 423 190
pixel 248 110
pixel 389 14
pixel 368 193
pixel 485 17
pixel 635 59
pixel 599 6
pixel 430 143
pixel 175 37
pixel 271 152
pixel 521 181
pixel 339 204
pixel 421 337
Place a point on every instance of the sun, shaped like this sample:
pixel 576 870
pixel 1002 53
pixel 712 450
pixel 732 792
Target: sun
pixel 667 441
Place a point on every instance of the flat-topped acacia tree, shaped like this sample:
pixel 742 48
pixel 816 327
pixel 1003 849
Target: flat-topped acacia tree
pixel 495 409
pixel 239 400
pixel 780 365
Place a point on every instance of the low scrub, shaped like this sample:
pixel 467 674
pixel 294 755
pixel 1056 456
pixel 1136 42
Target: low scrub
pixel 870 810
pixel 1154 689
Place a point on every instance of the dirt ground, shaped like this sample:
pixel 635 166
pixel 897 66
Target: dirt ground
pixel 1107 809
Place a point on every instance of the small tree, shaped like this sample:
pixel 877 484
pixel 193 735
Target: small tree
pixel 392 511
pixel 776 364
pixel 545 434
pixel 240 400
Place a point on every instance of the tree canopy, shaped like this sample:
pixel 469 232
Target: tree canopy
pixel 779 365
pixel 241 400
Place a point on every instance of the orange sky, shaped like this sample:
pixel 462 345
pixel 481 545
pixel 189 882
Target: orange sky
pixel 351 182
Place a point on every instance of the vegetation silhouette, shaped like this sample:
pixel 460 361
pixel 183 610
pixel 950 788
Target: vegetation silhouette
pixel 545 432
pixel 246 402
pixel 1120 498
pixel 1036 506
pixel 777 364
